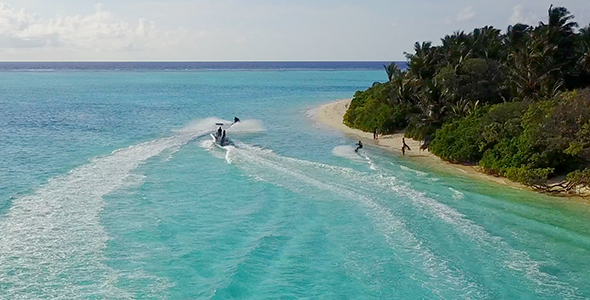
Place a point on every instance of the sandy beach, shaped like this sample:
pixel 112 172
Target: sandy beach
pixel 331 115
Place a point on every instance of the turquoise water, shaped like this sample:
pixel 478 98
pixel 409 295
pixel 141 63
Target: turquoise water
pixel 110 188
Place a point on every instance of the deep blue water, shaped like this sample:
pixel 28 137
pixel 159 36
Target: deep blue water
pixel 110 188
pixel 191 66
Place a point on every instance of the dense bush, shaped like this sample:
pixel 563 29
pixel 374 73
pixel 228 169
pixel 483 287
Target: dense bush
pixel 529 176
pixel 523 142
pixel 466 140
pixel 508 153
pixel 460 141
pixel 579 177
pixel 368 110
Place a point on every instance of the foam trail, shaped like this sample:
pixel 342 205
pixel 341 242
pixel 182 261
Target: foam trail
pixel 372 165
pixel 513 259
pixel 247 126
pixel 295 175
pixel 299 169
pixel 457 195
pixel 52 242
pixel 207 144
pixel 346 151
pixel 419 173
pixel 203 125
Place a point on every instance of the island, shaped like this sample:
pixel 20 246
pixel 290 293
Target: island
pixel 512 105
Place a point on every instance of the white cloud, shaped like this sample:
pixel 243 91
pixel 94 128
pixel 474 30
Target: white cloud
pixel 244 30
pixel 100 31
pixel 520 16
pixel 466 14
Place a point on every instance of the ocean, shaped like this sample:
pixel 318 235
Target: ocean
pixel 110 188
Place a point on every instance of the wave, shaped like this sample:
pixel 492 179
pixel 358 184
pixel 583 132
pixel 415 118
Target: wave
pixel 52 242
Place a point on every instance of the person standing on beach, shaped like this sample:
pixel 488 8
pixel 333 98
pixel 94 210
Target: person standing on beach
pixel 375 135
pixel 405 146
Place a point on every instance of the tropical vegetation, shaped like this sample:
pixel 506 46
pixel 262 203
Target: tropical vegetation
pixel 515 103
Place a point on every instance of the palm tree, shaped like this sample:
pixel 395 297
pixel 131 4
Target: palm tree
pixel 585 33
pixel 463 107
pixel 422 62
pixel 583 48
pixel 534 73
pixel 391 70
pixel 560 18
pixel 487 43
pixel 404 87
pixel 559 31
pixel 456 48
pixel 581 75
pixel 517 36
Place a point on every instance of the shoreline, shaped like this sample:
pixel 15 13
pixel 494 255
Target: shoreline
pixel 331 115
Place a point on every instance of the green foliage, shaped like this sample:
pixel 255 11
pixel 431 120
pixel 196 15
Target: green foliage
pixel 570 124
pixel 419 131
pixel 558 129
pixel 466 140
pixel 522 141
pixel 508 153
pixel 529 176
pixel 474 79
pixel 579 177
pixel 583 53
pixel 368 110
pixel 459 141
pixel 552 134
pixel 502 121
pixel 422 64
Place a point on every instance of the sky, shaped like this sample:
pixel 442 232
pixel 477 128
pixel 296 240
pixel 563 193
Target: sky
pixel 253 30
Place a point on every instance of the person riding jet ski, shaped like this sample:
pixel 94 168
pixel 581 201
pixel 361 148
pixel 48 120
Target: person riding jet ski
pixel 359 146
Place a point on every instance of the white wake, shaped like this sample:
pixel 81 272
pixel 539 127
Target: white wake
pixel 52 242
pixel 300 175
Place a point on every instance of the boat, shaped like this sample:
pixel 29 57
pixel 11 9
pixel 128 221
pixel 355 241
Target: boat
pixel 219 139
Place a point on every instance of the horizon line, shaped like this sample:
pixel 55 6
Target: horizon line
pixel 194 61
